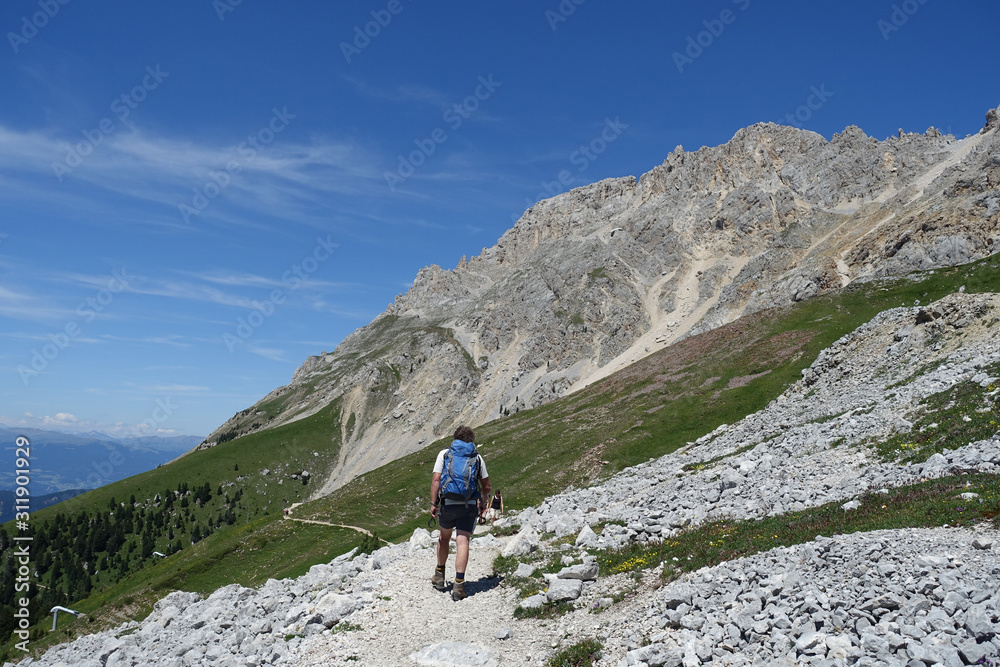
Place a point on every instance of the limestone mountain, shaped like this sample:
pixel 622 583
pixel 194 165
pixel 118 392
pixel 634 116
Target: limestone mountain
pixel 595 279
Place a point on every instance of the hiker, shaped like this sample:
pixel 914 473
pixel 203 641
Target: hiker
pixel 496 507
pixel 458 485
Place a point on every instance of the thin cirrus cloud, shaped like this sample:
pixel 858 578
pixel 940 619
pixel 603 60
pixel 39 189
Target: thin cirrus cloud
pixel 172 341
pixel 404 93
pixel 271 353
pixel 177 388
pixel 192 291
pixel 135 178
pixel 46 338
pixel 210 287
pixel 16 305
pixel 238 279
pixel 281 179
pixel 409 93
pixel 28 307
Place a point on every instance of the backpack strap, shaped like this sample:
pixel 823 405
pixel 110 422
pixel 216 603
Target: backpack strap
pixel 471 470
pixel 447 472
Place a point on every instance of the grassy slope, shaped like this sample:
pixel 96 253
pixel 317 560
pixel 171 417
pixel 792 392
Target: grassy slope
pixel 289 448
pixel 646 410
pixel 259 546
pixel 649 409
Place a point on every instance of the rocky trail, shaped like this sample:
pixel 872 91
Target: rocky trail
pixel 474 631
pixel 288 516
pixel 359 529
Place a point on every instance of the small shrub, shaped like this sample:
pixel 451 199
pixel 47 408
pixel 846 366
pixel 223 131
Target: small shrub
pixel 344 626
pixel 369 544
pixel 581 654
pixel 547 610
pixel 506 531
pixel 504 566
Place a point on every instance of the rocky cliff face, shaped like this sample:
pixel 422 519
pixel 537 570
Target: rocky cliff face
pixel 597 278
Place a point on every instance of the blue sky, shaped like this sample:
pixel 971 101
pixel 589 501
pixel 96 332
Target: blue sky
pixel 197 195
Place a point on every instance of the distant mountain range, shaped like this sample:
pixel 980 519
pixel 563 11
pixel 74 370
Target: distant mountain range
pixel 8 506
pixel 62 462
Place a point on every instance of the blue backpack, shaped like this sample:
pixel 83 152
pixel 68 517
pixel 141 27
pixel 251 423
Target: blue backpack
pixel 460 476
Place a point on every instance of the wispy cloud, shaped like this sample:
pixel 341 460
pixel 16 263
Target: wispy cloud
pixel 188 291
pixel 31 307
pixel 239 279
pixel 268 353
pixel 285 179
pixel 168 368
pixel 18 335
pixel 323 306
pixel 404 93
pixel 176 389
pixel 173 341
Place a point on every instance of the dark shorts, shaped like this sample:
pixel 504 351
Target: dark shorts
pixel 462 517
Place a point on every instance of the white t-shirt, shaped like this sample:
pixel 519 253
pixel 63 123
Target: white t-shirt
pixel 439 464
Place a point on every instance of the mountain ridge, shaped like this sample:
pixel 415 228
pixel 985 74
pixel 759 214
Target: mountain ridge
pixel 592 280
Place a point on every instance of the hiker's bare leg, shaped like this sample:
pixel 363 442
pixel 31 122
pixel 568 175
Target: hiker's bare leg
pixel 461 550
pixel 443 544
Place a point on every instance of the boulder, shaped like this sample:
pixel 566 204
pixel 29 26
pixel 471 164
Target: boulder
pixel 588 539
pixel 534 602
pixel 584 571
pixel 522 544
pixel 524 570
pixel 562 590
pixel 420 539
pixel 455 654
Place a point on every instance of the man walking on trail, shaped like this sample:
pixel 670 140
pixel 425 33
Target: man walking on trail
pixel 458 486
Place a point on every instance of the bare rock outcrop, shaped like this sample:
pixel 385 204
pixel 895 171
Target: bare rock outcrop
pixel 595 279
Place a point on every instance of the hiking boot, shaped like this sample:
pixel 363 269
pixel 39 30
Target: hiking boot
pixel 437 581
pixel 458 591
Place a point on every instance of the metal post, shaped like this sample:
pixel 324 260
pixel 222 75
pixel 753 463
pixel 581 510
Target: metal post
pixel 55 615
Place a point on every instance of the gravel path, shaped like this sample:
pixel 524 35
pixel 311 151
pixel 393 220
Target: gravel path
pixel 388 637
pixel 409 617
